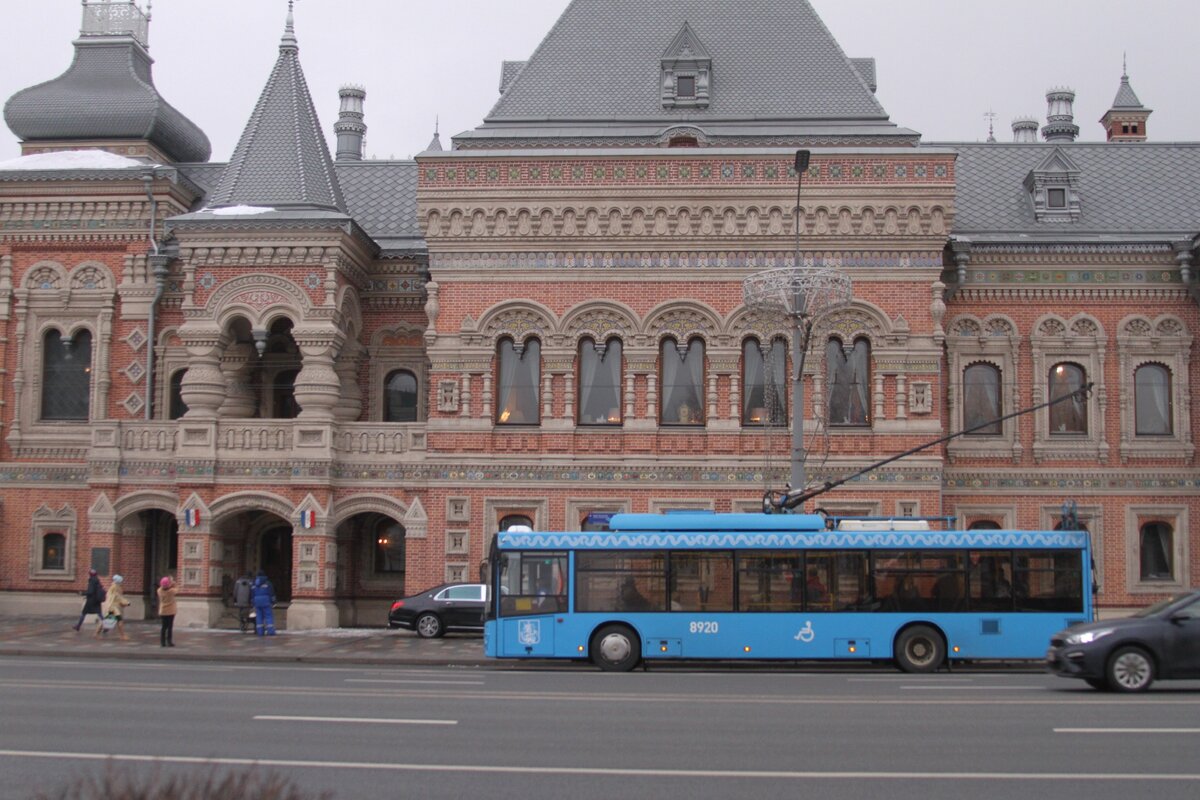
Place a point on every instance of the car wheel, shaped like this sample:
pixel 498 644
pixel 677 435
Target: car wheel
pixel 1130 670
pixel 920 649
pixel 1097 683
pixel 429 626
pixel 616 648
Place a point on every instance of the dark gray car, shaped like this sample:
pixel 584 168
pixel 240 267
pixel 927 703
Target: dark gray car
pixel 1127 655
pixel 449 607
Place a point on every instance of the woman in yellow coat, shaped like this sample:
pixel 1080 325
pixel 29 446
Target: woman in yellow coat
pixel 166 611
pixel 116 605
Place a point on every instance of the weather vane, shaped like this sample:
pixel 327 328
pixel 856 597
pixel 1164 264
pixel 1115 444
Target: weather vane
pixel 990 116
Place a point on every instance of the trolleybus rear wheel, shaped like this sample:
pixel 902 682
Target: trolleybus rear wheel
pixel 920 649
pixel 616 648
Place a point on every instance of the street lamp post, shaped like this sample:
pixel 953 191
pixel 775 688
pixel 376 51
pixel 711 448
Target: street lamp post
pixel 803 293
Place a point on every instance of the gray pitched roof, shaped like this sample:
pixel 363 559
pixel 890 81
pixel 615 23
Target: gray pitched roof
pixel 1126 98
pixel 1138 190
pixel 107 93
pixel 771 59
pixel 382 198
pixel 282 160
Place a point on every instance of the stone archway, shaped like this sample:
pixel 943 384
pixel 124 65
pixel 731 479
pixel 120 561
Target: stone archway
pixel 372 534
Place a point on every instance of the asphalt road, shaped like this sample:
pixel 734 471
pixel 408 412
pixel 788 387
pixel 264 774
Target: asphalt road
pixel 371 732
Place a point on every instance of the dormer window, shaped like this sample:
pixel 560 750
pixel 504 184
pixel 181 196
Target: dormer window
pixel 1053 187
pixel 686 72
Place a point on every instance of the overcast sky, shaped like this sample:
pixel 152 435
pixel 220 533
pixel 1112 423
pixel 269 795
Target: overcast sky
pixel 941 64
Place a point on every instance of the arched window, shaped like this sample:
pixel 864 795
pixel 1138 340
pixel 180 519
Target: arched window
pixel 400 397
pixel 764 382
pixel 600 382
pixel 1152 400
pixel 54 551
pixel 389 548
pixel 284 395
pixel 518 520
pixel 517 382
pixel 848 372
pixel 1157 552
pixel 981 399
pixel 176 407
pixel 66 376
pixel 1070 416
pixel 682 395
pixel 984 525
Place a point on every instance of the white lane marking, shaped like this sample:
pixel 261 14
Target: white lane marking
pixel 356 720
pixel 611 771
pixel 899 678
pixel 1127 730
pixel 943 687
pixel 401 680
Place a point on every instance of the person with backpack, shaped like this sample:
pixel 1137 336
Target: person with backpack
pixel 263 595
pixel 93 599
pixel 241 600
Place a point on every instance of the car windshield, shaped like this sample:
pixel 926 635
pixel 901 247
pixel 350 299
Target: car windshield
pixel 1159 606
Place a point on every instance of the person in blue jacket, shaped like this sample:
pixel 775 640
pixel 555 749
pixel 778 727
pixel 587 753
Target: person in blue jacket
pixel 262 593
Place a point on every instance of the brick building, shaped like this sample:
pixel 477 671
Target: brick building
pixel 348 372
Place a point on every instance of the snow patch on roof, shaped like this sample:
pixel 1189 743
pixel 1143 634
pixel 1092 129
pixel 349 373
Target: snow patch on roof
pixel 238 211
pixel 71 159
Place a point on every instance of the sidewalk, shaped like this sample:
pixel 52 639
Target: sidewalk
pixel 54 636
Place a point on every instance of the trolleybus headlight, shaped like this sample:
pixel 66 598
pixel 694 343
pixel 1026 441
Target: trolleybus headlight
pixel 1087 637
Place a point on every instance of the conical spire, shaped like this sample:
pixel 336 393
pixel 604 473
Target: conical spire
pixel 1126 120
pixel 282 159
pixel 435 144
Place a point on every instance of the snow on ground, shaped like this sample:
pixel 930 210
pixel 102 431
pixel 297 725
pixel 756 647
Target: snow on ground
pixel 237 211
pixel 71 159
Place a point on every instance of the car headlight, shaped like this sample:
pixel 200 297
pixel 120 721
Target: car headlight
pixel 1087 637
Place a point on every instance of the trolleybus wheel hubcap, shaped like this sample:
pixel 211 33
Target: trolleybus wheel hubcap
pixel 615 648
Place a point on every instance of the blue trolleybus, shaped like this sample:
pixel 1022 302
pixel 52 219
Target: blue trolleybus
pixel 782 586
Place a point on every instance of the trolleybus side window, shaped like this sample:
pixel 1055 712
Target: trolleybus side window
pixel 990 580
pixel 701 581
pixel 915 580
pixel 532 583
pixel 771 581
pixel 621 581
pixel 1048 580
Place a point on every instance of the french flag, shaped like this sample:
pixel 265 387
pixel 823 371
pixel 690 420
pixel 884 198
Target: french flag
pixel 308 519
pixel 192 517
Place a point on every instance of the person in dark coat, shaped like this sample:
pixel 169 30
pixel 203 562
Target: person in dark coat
pixel 263 595
pixel 93 599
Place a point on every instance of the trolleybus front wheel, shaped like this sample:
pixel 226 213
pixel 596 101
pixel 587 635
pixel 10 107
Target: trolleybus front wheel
pixel 616 648
pixel 920 649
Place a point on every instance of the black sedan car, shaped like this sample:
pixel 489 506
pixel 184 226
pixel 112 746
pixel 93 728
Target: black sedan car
pixel 1127 655
pixel 449 607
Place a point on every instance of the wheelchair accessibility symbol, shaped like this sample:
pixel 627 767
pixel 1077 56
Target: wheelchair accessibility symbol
pixel 806 633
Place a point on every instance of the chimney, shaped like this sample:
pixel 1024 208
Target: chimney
pixel 1060 116
pixel 350 127
pixel 1025 130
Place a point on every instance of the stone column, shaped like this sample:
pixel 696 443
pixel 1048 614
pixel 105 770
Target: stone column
pixel 240 401
pixel 349 405
pixel 318 387
pixel 203 388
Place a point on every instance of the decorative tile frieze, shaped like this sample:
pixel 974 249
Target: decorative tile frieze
pixel 685 260
pixel 1095 277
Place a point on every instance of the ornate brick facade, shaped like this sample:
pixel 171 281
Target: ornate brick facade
pixel 242 409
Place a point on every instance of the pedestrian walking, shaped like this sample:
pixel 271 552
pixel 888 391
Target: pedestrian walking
pixel 166 611
pixel 263 595
pixel 93 599
pixel 116 606
pixel 241 600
